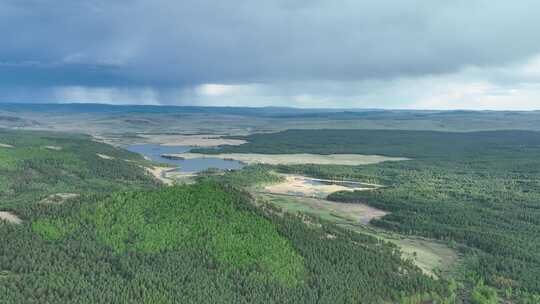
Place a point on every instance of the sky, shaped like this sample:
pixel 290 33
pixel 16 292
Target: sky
pixel 409 54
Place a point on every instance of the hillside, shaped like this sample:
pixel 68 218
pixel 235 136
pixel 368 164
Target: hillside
pixel 478 189
pixel 202 243
pixel 35 165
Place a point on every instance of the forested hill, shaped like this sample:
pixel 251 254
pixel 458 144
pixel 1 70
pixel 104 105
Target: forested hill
pixel 480 189
pixel 198 244
pixel 35 165
pixel 120 238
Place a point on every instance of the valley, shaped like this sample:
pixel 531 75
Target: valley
pixel 438 204
pixel 115 221
pixel 269 152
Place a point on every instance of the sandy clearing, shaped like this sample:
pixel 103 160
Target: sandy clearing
pixel 58 198
pixel 160 173
pixel 306 193
pixel 294 159
pixel 103 156
pixel 55 148
pixel 299 185
pixel 6 146
pixel 9 217
pixel 201 140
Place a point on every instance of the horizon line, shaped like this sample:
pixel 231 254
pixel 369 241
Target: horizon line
pixel 261 107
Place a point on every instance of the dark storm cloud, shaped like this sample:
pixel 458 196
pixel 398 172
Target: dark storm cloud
pixel 171 43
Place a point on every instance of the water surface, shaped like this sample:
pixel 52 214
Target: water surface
pixel 154 152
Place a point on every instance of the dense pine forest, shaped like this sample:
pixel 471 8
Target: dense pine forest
pixel 398 143
pixel 34 165
pixel 269 152
pixel 479 189
pixel 126 239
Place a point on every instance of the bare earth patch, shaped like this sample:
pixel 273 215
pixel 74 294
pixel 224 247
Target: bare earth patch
pixel 160 173
pixel 9 217
pixel 299 185
pixel 55 148
pixel 308 194
pixel 103 156
pixel 294 159
pixel 201 140
pixel 6 146
pixel 59 198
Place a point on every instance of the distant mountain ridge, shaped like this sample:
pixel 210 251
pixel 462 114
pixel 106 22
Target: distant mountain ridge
pixel 264 111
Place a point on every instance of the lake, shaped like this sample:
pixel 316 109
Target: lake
pixel 154 152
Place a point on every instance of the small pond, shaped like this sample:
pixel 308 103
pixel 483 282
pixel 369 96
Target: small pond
pixel 154 152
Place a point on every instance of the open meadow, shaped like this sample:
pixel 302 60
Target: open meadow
pixel 293 159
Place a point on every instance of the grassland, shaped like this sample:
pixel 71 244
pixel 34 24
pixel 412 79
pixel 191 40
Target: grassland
pixel 331 211
pixel 196 140
pixel 293 159
pixel 435 258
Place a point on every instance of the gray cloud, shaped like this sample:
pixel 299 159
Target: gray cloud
pixel 174 46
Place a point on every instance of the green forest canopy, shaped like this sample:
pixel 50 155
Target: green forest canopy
pixel 481 189
pixel 39 164
pixel 125 239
